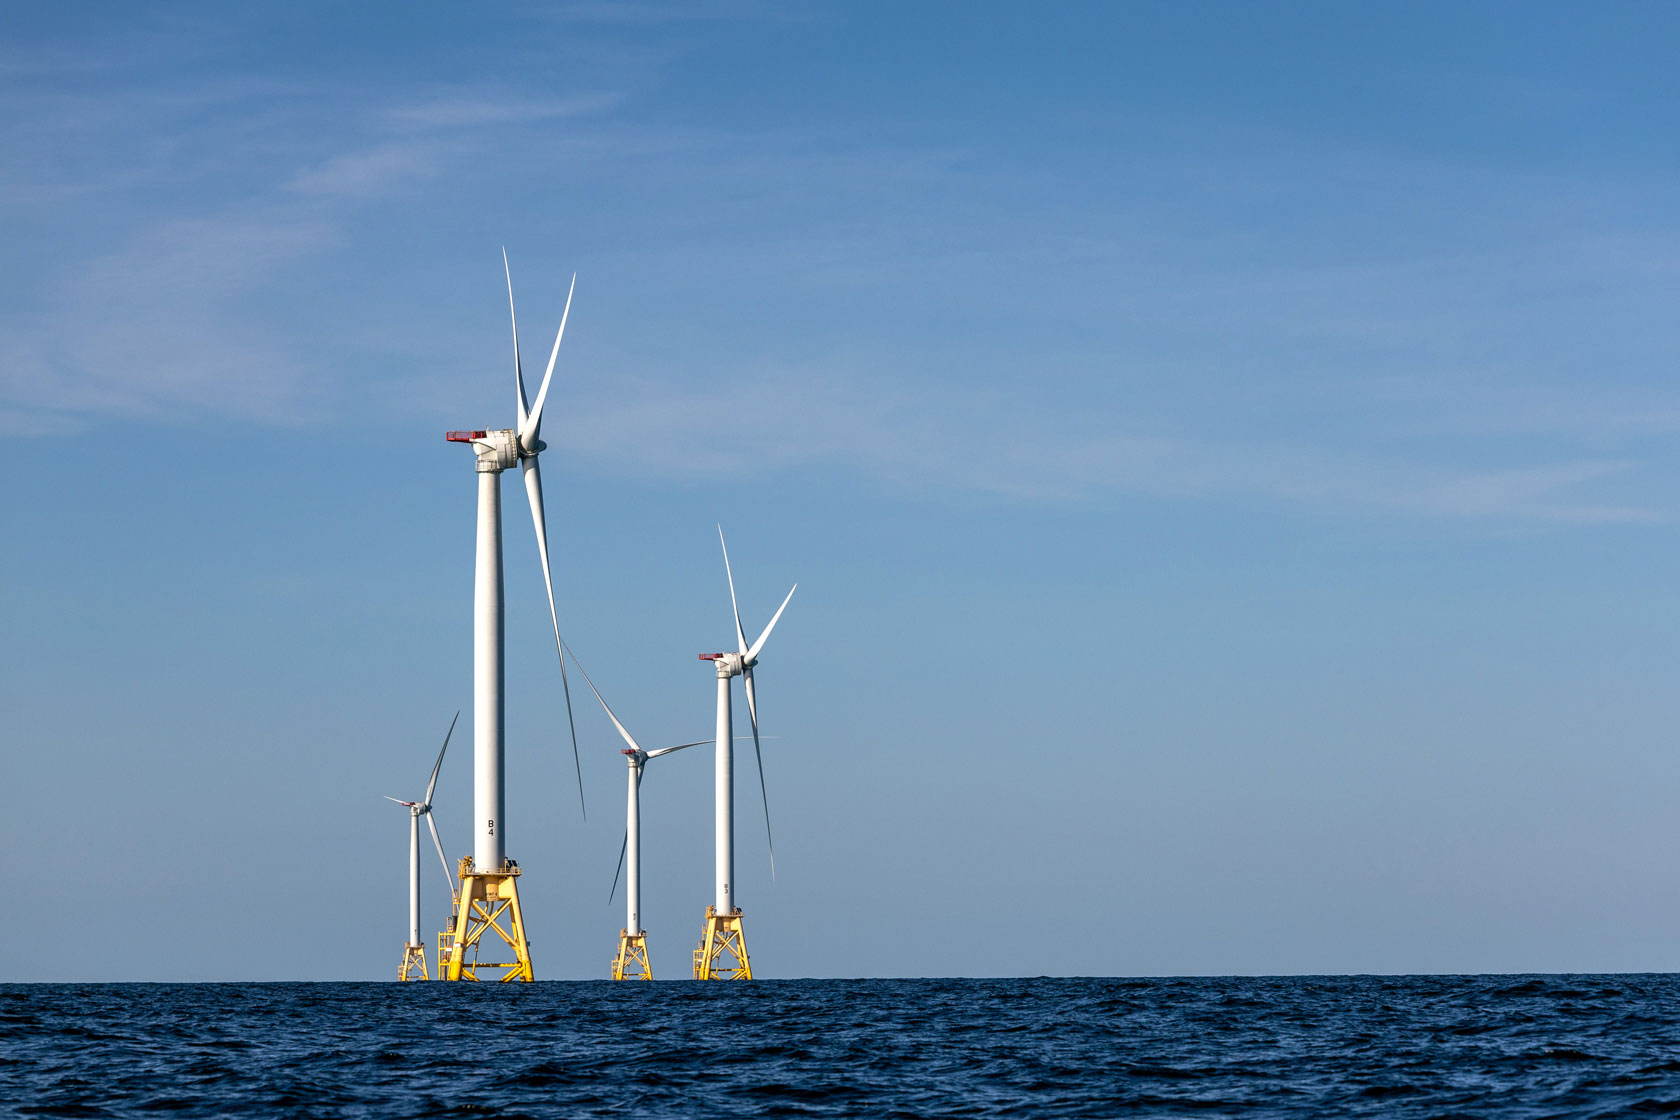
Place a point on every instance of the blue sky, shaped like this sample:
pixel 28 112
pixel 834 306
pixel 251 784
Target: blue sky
pixel 1225 451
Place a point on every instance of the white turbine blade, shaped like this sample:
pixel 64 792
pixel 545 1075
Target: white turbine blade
pixel 762 638
pixel 388 797
pixel 740 635
pixel 518 374
pixel 530 427
pixel 752 713
pixel 752 701
pixel 679 747
pixel 628 738
pixel 431 785
pixel 447 878
pixel 622 848
pixel 533 491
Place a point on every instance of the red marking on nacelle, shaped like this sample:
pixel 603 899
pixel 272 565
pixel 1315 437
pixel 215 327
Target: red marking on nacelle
pixel 710 656
pixel 462 437
pixel 626 750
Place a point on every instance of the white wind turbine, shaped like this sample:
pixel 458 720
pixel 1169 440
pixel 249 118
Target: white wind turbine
pixel 632 939
pixel 497 451
pixel 415 950
pixel 723 917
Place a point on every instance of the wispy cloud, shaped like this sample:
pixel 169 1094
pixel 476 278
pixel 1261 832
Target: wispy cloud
pixel 191 305
pixel 1545 492
pixel 1024 333
pixel 367 173
pixel 838 421
pixel 472 109
pixel 169 325
pixel 652 13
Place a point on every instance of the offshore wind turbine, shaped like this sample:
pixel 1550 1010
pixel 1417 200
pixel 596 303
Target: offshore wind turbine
pixel 489 879
pixel 631 960
pixel 414 950
pixel 723 936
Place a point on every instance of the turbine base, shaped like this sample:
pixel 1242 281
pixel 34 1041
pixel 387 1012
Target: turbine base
pixel 631 963
pixel 722 954
pixel 488 902
pixel 413 964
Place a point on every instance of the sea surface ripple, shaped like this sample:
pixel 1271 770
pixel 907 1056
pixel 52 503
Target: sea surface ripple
pixel 1415 1046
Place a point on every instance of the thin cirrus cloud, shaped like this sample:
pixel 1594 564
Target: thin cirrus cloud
pixel 183 300
pixel 366 174
pixel 180 329
pixel 834 420
pixel 183 324
pixel 430 131
pixel 469 110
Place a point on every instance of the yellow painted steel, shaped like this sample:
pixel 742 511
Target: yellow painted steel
pixel 414 961
pixel 722 954
pixel 446 944
pixel 631 963
pixel 485 900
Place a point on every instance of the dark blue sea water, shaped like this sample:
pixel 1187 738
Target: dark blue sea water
pixel 1430 1046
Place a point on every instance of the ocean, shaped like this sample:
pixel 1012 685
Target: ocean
pixel 1405 1046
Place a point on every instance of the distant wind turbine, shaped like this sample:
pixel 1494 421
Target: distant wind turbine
pixel 631 960
pixel 414 952
pixel 723 933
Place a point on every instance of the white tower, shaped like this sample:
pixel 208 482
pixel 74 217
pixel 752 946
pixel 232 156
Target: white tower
pixel 497 451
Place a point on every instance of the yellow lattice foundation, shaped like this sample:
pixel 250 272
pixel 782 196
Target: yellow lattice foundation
pixel 723 948
pixel 488 902
pixel 414 963
pixel 632 960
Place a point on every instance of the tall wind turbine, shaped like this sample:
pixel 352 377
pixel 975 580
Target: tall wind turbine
pixel 490 880
pixel 414 951
pixel 631 960
pixel 723 934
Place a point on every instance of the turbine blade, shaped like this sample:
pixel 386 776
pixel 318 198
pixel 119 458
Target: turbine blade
pixel 762 638
pixel 518 374
pixel 679 746
pixel 740 635
pixel 533 491
pixel 431 785
pixel 388 797
pixel 530 427
pixel 571 725
pixel 752 701
pixel 447 878
pixel 628 738
pixel 752 712
pixel 622 848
